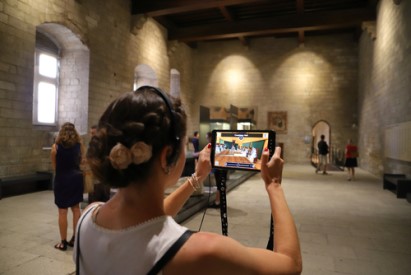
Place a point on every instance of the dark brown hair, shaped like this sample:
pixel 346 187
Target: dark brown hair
pixel 142 115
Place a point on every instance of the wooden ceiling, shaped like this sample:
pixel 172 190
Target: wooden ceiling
pixel 192 21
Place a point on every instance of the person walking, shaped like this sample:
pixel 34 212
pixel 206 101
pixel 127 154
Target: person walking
pixel 351 155
pixel 322 155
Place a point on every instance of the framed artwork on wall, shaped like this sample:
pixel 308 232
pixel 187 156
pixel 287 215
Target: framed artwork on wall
pixel 277 121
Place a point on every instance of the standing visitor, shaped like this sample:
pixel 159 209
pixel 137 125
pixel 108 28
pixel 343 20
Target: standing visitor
pixel 196 143
pixel 351 155
pixel 322 155
pixel 66 156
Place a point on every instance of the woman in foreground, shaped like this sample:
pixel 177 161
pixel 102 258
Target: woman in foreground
pixel 140 149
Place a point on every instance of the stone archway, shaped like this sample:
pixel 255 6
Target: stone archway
pixel 74 68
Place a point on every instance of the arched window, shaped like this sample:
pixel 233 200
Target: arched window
pixel 61 78
pixel 46 81
pixel 144 75
pixel 174 83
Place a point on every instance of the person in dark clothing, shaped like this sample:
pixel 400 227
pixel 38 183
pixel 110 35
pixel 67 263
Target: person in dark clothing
pixel 351 154
pixel 196 143
pixel 322 155
pixel 66 156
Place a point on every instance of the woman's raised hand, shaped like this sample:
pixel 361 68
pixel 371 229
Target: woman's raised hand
pixel 272 170
pixel 203 167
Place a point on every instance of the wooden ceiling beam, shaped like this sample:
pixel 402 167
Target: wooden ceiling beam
pixel 279 24
pixel 169 25
pixel 166 7
pixel 226 13
pixel 301 37
pixel 300 6
pixel 243 40
pixel 372 3
pixel 230 17
pixel 300 10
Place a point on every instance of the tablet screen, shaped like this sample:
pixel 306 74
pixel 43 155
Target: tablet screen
pixel 240 150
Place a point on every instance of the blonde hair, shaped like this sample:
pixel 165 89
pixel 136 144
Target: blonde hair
pixel 68 135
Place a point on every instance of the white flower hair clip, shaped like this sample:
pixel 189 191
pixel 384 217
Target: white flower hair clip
pixel 121 157
pixel 141 152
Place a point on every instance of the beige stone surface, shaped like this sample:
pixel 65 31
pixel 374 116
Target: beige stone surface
pixel 358 86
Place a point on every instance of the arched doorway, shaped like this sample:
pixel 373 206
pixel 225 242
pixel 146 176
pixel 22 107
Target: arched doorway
pixel 321 127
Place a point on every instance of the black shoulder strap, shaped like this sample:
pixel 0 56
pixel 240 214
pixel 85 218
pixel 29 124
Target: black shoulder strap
pixel 159 265
pixel 221 181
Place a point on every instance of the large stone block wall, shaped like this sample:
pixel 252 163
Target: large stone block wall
pixel 74 80
pixel 385 85
pixel 317 81
pixel 330 78
pixel 104 27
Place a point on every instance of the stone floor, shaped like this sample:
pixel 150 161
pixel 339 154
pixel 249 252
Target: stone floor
pixel 345 227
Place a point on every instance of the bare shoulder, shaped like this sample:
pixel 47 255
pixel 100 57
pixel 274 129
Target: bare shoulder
pixel 204 252
pixel 209 253
pixel 203 244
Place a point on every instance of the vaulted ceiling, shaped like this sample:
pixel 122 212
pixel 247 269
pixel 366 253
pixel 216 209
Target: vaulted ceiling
pixel 192 21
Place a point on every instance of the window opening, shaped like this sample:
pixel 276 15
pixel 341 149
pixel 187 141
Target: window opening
pixel 46 82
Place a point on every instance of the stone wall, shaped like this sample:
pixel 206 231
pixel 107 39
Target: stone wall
pixel 104 27
pixel 330 78
pixel 385 85
pixel 313 82
pixel 181 59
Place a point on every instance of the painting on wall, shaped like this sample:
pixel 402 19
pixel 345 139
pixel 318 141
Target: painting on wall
pixel 277 121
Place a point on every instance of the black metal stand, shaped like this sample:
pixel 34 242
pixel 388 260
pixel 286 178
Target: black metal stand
pixel 221 181
pixel 270 244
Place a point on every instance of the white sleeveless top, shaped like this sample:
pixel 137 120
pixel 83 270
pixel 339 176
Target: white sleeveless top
pixel 133 250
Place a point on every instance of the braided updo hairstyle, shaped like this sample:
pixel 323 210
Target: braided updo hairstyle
pixel 139 116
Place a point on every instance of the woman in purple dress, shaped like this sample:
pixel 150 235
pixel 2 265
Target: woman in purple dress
pixel 66 156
